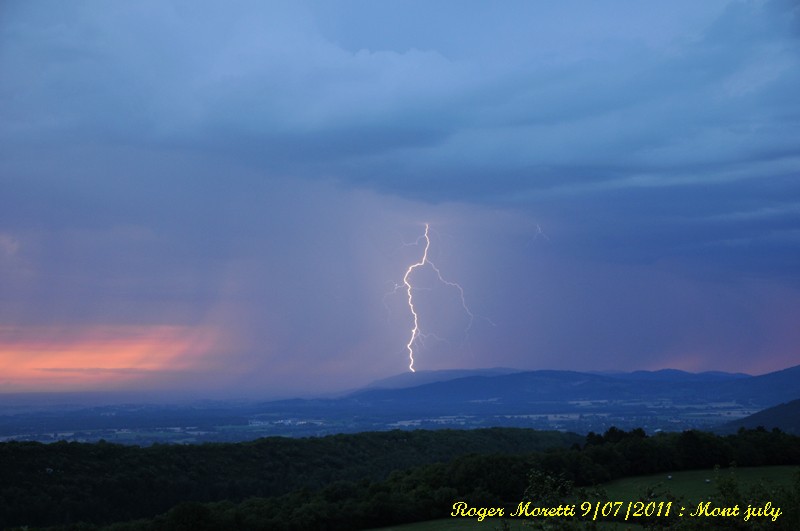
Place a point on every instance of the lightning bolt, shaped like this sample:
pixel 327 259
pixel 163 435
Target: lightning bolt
pixel 416 333
pixel 539 233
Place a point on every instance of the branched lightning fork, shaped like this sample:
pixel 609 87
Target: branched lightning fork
pixel 539 233
pixel 416 333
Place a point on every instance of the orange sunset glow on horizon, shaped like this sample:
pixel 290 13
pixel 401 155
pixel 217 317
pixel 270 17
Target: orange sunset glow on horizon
pixel 43 358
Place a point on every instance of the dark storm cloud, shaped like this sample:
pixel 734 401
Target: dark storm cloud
pixel 257 167
pixel 521 113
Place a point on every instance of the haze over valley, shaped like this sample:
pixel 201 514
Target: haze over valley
pixel 666 400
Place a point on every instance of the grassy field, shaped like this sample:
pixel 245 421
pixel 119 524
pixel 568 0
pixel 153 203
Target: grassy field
pixel 698 485
pixel 693 485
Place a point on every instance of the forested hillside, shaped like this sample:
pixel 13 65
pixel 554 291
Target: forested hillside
pixel 47 484
pixel 341 482
pixel 786 416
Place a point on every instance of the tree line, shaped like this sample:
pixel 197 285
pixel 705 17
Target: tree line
pixel 101 483
pixel 353 481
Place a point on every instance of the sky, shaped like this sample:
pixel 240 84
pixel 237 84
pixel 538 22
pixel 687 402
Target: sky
pixel 225 198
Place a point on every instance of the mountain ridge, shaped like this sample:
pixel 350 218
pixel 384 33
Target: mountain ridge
pixel 667 400
pixel 576 385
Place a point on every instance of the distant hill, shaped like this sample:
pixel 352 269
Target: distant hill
pixel 785 417
pixel 548 386
pixel 770 389
pixel 678 375
pixel 664 400
pixel 413 379
pixel 419 378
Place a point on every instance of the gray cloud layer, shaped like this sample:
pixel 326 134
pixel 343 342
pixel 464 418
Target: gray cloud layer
pixel 258 163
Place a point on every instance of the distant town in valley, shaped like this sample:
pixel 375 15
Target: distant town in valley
pixel 665 400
